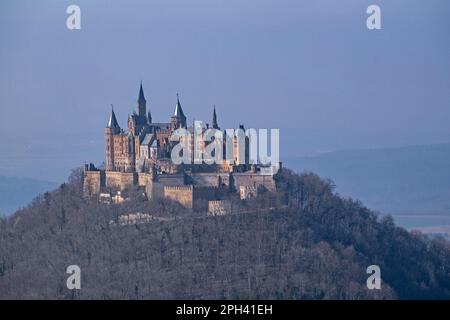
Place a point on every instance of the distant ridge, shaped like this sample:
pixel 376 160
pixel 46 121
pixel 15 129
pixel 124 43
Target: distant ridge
pixel 404 180
pixel 18 192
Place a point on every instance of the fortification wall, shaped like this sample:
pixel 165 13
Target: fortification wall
pixel 120 179
pixel 219 207
pixel 171 179
pixel 254 179
pixel 146 180
pixel 210 179
pixel 92 182
pixel 182 194
pixel 207 193
pixel 156 190
pixel 246 192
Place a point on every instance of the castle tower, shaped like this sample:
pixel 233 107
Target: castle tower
pixel 241 147
pixel 130 156
pixel 214 119
pixel 132 123
pixel 178 120
pixel 112 129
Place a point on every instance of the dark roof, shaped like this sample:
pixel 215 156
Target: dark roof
pixel 178 110
pixel 147 139
pixel 112 123
pixel 214 120
pixel 141 94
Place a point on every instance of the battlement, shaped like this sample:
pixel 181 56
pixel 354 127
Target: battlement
pixel 246 192
pixel 178 188
pixel 219 207
pixel 181 194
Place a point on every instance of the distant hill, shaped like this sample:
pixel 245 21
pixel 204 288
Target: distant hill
pixel 407 180
pixel 18 192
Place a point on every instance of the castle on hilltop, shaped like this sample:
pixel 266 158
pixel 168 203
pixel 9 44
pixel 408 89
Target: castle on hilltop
pixel 141 156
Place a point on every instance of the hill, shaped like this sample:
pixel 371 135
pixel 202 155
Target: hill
pixel 303 242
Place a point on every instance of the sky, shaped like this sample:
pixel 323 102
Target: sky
pixel 310 68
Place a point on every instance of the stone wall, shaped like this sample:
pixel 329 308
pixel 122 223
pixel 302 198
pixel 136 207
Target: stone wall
pixel 171 179
pixel 210 179
pixel 254 179
pixel 246 192
pixel 92 182
pixel 146 180
pixel 202 186
pixel 182 194
pixel 219 207
pixel 192 197
pixel 120 179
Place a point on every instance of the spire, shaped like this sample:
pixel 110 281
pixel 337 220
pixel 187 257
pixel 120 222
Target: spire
pixel 178 119
pixel 141 103
pixel 214 119
pixel 141 94
pixel 112 123
pixel 178 110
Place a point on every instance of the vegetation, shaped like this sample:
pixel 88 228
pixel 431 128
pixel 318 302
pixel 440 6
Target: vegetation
pixel 304 242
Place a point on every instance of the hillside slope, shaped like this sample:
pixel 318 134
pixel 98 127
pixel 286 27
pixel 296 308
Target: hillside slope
pixel 316 246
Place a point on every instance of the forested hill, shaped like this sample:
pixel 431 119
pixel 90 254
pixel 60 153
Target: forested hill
pixel 316 245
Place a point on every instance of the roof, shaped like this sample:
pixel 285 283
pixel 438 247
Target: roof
pixel 214 120
pixel 141 94
pixel 147 139
pixel 178 110
pixel 160 125
pixel 112 123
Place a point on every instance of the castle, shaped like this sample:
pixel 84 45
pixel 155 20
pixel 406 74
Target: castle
pixel 141 156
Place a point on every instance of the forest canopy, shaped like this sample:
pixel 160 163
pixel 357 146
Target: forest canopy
pixel 310 244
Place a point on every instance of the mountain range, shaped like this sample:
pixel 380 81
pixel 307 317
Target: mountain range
pixel 413 180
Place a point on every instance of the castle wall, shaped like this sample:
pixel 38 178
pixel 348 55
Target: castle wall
pixel 146 180
pixel 210 179
pixel 120 179
pixel 254 179
pixel 162 180
pixel 182 194
pixel 246 192
pixel 219 207
pixel 192 197
pixel 157 190
pixel 207 193
pixel 202 186
pixel 92 183
pixel 171 179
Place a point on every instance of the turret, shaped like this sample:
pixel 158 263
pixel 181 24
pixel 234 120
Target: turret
pixel 178 119
pixel 112 128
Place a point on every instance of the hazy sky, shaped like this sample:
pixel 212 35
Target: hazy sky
pixel 310 68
